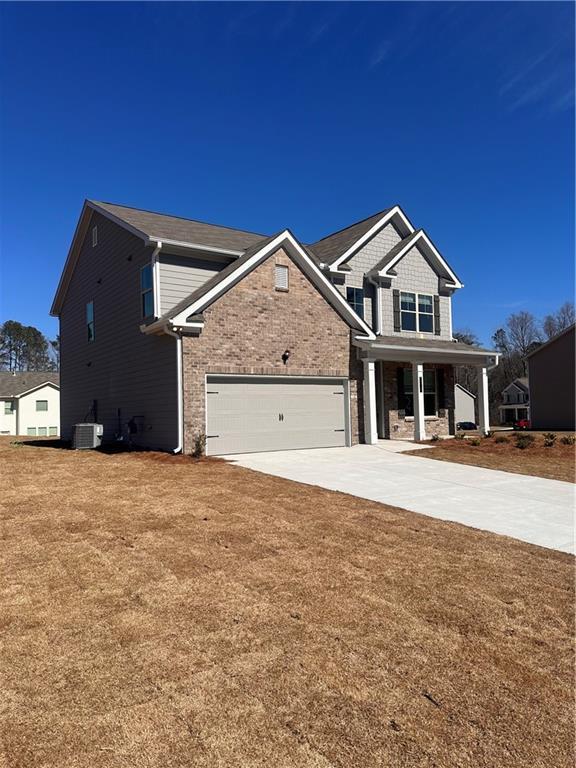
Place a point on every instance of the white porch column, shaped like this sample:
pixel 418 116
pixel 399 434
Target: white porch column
pixel 370 426
pixel 418 397
pixel 483 405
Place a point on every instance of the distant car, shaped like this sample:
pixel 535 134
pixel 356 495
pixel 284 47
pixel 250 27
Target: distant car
pixel 522 424
pixel 466 425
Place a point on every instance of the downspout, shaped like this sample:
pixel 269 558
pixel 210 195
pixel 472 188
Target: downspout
pixel 179 389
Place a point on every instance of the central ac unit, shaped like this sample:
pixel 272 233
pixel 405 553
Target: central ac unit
pixel 87 436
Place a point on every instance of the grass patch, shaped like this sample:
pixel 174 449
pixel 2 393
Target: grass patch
pixel 165 612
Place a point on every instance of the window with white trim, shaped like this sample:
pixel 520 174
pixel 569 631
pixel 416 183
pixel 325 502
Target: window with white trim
pixel 52 431
pixel 94 236
pixel 42 431
pixel 90 330
pixel 31 431
pixel 430 392
pixel 8 407
pixel 355 297
pixel 281 277
pixel 41 405
pixel 146 291
pixel 417 312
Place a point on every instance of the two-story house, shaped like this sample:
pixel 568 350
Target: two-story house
pixel 173 329
pixel 29 403
pixel 515 402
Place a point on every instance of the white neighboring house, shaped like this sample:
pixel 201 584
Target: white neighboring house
pixel 464 405
pixel 30 403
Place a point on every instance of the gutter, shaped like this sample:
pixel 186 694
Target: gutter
pixel 194 246
pixel 179 389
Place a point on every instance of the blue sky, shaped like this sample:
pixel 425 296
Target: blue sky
pixel 308 116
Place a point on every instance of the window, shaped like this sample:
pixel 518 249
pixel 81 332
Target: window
pixel 355 297
pixel 417 312
pixel 41 405
pixel 147 294
pixel 52 431
pixel 430 393
pixel 90 321
pixel 281 277
pixel 31 431
pixel 8 407
pixel 42 431
pixel 94 236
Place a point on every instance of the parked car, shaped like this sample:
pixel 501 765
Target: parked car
pixel 466 425
pixel 522 424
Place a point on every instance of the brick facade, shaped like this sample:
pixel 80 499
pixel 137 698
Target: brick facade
pixel 248 329
pixel 395 426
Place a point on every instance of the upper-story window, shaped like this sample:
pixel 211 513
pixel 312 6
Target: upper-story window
pixel 8 407
pixel 41 405
pixel 94 236
pixel 355 297
pixel 417 312
pixel 146 291
pixel 90 329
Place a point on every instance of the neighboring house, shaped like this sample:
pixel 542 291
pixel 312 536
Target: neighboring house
pixel 30 403
pixel 172 329
pixel 552 386
pixel 464 404
pixel 515 402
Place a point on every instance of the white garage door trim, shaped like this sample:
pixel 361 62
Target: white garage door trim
pixel 341 380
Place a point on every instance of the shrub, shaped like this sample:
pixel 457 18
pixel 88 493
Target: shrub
pixel 568 440
pixel 459 436
pixel 549 439
pixel 199 446
pixel 501 439
pixel 435 438
pixel 524 441
pixel 475 441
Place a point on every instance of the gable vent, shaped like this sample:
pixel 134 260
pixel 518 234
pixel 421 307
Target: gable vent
pixel 281 277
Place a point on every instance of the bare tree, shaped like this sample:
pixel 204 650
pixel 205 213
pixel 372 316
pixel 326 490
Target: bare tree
pixel 556 322
pixel 522 332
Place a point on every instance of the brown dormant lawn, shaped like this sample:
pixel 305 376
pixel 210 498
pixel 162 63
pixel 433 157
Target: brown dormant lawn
pixel 161 612
pixel 556 462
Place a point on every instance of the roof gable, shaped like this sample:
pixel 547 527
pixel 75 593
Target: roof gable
pixel 187 311
pixel 420 240
pixel 15 384
pixel 338 247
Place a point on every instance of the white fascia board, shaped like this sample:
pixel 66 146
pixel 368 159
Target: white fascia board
pixel 194 246
pixel 396 211
pixel 283 238
pixel 414 241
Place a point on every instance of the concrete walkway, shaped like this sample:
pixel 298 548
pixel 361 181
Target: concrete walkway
pixel 528 508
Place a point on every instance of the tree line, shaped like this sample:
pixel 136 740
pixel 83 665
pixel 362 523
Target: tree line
pixel 25 348
pixel 521 333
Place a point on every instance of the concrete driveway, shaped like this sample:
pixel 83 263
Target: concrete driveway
pixel 527 508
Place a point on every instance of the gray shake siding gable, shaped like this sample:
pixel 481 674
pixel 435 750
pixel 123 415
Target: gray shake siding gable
pixel 416 275
pixel 123 369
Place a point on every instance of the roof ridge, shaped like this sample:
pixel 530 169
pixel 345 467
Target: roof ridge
pixel 354 223
pixel 174 216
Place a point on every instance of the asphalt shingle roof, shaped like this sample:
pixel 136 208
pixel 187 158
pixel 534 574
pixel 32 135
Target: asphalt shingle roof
pixel 433 343
pixel 14 384
pixel 164 227
pixel 329 248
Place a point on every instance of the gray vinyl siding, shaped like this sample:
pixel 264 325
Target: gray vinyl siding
pixel 415 275
pixel 363 261
pixel 180 275
pixel 122 368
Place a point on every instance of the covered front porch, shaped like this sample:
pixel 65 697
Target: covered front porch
pixel 409 386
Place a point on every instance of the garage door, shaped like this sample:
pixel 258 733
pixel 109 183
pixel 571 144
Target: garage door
pixel 247 414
